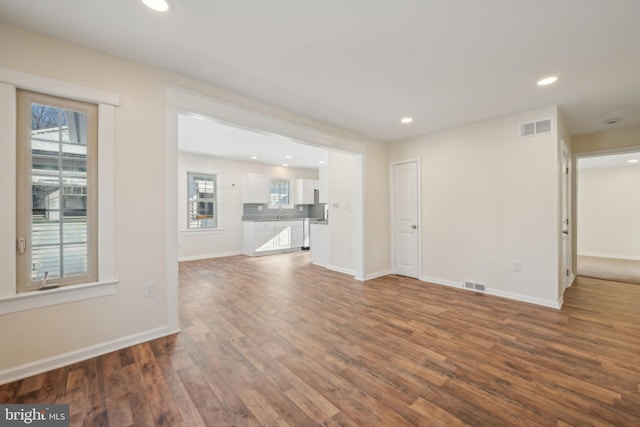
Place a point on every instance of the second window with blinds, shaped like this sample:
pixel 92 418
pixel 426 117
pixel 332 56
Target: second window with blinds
pixel 279 192
pixel 202 206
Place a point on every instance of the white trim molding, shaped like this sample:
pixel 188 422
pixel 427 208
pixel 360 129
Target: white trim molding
pixel 37 299
pixel 65 359
pixel 372 276
pixel 497 293
pixel 209 256
pixel 613 256
pixel 10 300
pixel 57 87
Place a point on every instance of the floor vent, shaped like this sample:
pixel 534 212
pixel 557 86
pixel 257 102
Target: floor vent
pixel 535 128
pixel 480 287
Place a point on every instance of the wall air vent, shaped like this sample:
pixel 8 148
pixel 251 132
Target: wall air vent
pixel 535 128
pixel 474 286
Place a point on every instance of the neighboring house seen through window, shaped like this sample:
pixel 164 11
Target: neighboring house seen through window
pixel 201 201
pixel 57 192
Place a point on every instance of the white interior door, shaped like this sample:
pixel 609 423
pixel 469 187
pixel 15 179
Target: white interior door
pixel 405 219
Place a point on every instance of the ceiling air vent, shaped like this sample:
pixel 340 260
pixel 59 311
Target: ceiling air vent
pixel 535 128
pixel 528 129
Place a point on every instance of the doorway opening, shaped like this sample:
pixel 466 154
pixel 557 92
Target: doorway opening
pixel 608 216
pixel 180 101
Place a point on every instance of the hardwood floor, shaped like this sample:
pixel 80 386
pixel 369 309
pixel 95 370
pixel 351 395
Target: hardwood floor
pixel 276 341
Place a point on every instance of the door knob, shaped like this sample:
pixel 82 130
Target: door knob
pixel 413 227
pixel 565 231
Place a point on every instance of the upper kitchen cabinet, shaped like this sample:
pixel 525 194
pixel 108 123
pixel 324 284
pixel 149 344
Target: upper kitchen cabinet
pixel 303 191
pixel 256 188
pixel 323 185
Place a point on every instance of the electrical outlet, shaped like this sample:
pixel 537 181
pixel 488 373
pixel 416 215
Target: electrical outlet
pixel 517 266
pixel 149 290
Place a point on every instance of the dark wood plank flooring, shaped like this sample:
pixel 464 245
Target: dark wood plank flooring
pixel 277 341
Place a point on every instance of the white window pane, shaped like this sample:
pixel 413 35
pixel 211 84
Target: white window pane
pixel 75 259
pixel 45 259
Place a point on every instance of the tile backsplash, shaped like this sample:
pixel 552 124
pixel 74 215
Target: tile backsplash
pixel 250 211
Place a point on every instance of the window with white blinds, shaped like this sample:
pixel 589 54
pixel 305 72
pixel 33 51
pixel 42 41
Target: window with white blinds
pixel 201 201
pixel 57 192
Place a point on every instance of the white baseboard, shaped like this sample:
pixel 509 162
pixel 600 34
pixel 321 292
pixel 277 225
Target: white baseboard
pixel 43 365
pixel 341 270
pixel 525 298
pixel 571 279
pixel 208 256
pixel 441 282
pixel 498 293
pixel 378 274
pixel 601 255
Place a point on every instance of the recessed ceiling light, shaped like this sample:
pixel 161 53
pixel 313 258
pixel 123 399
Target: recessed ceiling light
pixel 321 162
pixel 633 161
pixel 254 157
pixel 406 120
pixel 288 157
pixel 157 5
pixel 547 81
pixel 285 165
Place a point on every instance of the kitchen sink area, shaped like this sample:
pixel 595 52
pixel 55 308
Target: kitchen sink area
pixel 270 229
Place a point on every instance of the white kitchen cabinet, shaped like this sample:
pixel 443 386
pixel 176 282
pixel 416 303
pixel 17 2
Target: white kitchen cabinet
pixel 263 237
pixel 263 240
pixel 323 185
pixel 303 191
pixel 256 188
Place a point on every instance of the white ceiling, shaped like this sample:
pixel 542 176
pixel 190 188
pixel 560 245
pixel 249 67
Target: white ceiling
pixel 610 161
pixel 204 135
pixel 362 65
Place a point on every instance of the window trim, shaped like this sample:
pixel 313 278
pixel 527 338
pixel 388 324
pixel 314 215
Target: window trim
pixel 10 301
pixel 24 282
pixel 216 204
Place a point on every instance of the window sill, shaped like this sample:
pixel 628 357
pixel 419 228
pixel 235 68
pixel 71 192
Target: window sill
pixel 38 299
pixel 195 232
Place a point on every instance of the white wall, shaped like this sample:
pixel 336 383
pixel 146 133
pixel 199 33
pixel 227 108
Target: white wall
pixel 227 240
pixel 378 212
pixel 342 173
pixel 489 199
pixel 144 212
pixel 46 336
pixel 609 212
